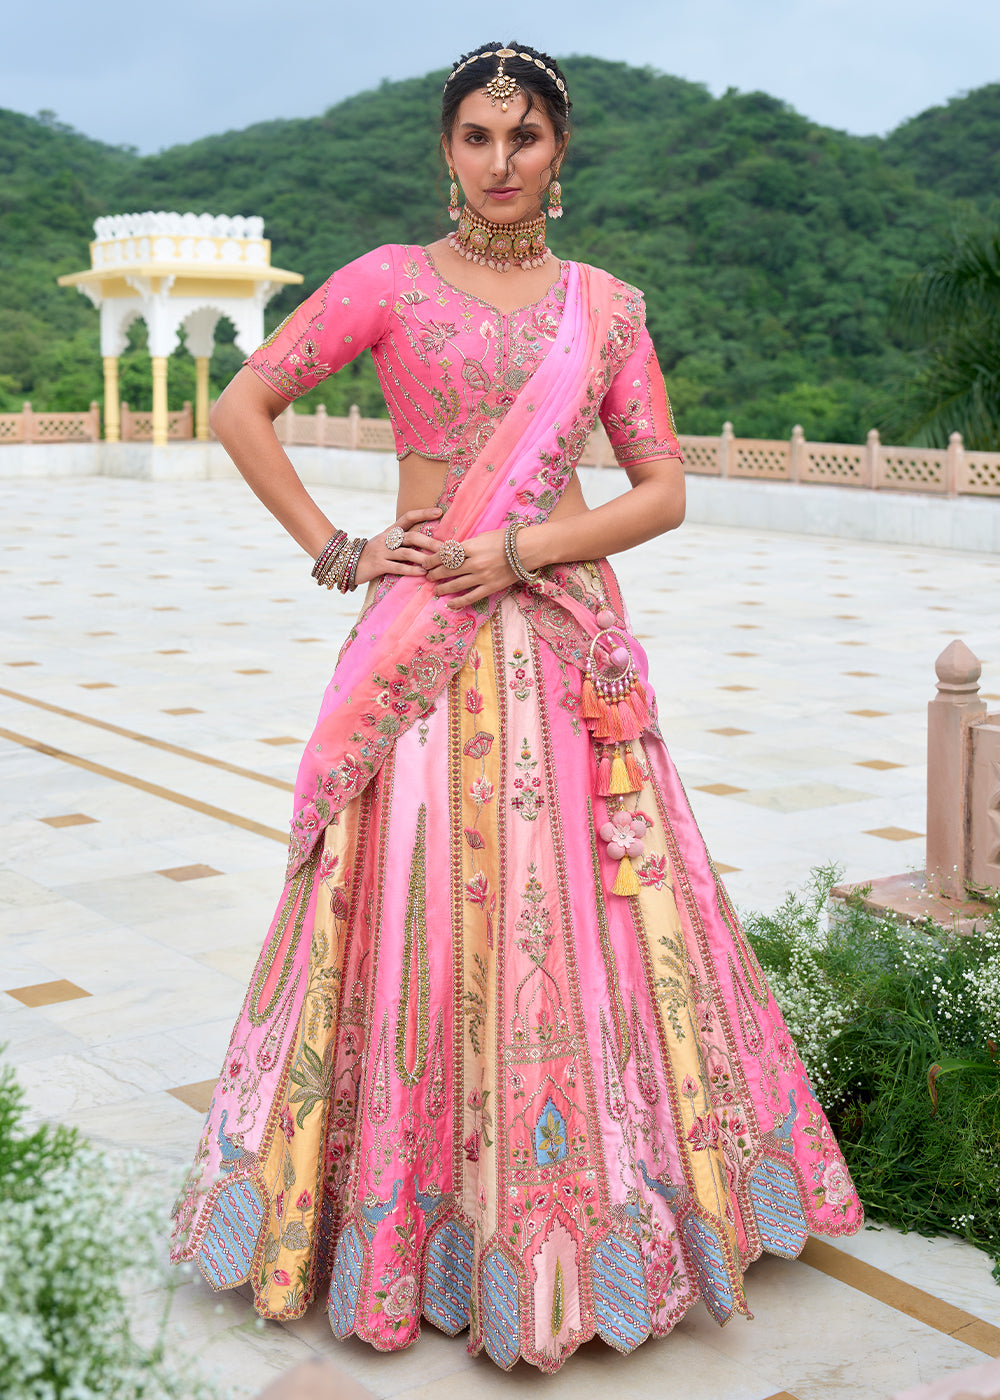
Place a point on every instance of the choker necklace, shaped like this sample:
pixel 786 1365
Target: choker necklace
pixel 500 246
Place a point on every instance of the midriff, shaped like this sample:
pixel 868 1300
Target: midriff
pixel 421 480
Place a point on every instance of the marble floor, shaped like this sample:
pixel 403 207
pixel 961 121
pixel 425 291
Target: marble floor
pixel 162 655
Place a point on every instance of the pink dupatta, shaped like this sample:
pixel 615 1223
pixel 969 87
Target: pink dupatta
pixel 518 453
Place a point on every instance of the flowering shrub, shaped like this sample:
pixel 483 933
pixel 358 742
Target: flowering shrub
pixel 73 1229
pixel 898 1027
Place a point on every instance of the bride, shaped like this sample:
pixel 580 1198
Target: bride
pixel 507 1061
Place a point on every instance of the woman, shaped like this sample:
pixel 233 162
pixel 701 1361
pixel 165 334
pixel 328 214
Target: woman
pixel 506 1061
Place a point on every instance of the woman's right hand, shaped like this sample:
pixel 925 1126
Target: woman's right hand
pixel 412 555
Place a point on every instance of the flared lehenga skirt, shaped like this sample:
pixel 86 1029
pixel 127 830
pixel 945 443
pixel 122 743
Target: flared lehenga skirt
pixel 471 1084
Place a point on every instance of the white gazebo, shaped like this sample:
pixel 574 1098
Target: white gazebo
pixel 175 270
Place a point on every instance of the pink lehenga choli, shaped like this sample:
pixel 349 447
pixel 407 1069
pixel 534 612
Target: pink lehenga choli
pixel 507 1061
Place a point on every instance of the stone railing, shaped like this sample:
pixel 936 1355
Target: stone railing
pixel 29 426
pixel 138 426
pixel 874 465
pixel 949 471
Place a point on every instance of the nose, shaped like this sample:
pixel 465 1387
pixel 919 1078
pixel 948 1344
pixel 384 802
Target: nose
pixel 498 158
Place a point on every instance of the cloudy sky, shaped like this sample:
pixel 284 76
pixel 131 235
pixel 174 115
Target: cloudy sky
pixel 154 75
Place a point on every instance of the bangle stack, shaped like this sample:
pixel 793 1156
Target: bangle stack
pixel 337 563
pixel 513 558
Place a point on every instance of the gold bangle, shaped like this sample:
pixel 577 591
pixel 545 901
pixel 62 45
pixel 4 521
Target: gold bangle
pixel 513 558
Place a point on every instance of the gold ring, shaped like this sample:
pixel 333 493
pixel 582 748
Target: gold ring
pixel 394 537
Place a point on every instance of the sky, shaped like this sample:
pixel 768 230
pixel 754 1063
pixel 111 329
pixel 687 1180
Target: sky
pixel 153 76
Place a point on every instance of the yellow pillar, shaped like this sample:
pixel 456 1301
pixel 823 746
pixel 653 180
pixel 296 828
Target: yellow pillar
pixel 112 407
pixel 159 400
pixel 201 398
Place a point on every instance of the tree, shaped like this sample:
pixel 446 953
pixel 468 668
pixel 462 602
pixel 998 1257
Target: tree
pixel 952 309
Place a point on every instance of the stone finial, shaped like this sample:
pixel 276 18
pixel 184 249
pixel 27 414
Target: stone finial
pixel 958 668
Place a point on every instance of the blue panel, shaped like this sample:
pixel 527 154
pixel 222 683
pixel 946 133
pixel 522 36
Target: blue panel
pixel 774 1194
pixel 232 1234
pixel 620 1301
pixel 550 1135
pixel 709 1262
pixel 345 1282
pixel 449 1278
pixel 501 1326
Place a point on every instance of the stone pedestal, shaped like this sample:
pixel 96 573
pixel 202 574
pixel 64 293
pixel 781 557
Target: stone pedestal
pixel 907 899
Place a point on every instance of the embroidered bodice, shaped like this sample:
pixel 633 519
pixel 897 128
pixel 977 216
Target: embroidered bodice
pixel 437 350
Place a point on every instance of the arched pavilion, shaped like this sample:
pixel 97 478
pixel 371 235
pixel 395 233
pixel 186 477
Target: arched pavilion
pixel 173 271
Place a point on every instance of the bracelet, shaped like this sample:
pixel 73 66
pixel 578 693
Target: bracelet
pixel 327 553
pixel 348 582
pixel 331 574
pixel 513 558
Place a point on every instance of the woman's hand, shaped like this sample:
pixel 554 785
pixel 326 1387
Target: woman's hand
pixel 413 555
pixel 484 571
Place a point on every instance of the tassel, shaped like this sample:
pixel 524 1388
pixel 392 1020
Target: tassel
pixel 614 723
pixel 634 771
pixel 601 727
pixel 640 705
pixel 627 720
pixel 588 699
pixel 619 777
pixel 626 881
pixel 604 777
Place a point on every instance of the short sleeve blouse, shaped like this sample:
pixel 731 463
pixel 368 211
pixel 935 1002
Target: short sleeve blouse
pixel 437 349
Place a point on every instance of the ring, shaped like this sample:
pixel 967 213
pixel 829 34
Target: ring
pixel 452 554
pixel 394 537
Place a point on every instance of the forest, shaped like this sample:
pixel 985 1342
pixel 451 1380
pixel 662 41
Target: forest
pixel 770 248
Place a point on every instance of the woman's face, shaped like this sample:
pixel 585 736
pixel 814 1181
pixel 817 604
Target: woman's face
pixel 503 167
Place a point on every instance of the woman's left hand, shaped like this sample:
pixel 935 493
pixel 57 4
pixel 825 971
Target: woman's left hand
pixel 484 571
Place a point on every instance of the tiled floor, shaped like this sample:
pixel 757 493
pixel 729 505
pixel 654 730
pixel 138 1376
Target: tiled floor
pixel 162 656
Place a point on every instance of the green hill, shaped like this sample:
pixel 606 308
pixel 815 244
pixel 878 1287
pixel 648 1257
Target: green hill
pixel 767 245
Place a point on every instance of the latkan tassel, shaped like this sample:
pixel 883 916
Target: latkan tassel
pixel 600 727
pixel 626 881
pixel 620 784
pixel 614 723
pixel 640 705
pixel 588 699
pixel 604 776
pixel 627 719
pixel 635 775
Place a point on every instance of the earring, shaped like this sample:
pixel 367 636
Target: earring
pixel 555 210
pixel 453 209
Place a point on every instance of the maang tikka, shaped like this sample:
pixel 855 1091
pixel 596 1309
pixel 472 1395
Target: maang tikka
pixel 501 87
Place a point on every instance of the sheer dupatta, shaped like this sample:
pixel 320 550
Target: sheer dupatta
pixel 518 453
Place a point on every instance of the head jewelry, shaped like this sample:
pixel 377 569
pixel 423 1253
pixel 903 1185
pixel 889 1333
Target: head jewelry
pixel 501 87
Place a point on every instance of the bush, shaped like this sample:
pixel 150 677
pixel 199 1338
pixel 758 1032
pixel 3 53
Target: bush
pixel 898 1027
pixel 76 1228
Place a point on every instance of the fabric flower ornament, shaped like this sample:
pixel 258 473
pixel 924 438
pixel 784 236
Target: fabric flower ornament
pixel 624 834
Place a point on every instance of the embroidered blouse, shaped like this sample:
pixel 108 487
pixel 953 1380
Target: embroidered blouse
pixel 438 349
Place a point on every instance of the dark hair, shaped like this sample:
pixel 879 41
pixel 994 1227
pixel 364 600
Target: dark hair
pixel 530 75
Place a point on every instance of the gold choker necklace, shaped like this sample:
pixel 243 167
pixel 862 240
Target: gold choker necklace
pixel 500 246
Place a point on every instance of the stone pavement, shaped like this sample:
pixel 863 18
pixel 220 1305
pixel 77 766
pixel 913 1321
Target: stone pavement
pixel 162 655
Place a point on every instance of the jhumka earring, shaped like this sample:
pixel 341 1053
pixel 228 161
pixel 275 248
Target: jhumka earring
pixel 453 209
pixel 555 210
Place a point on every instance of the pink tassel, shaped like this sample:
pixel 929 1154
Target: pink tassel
pixel 614 724
pixel 640 706
pixel 634 771
pixel 604 776
pixel 627 720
